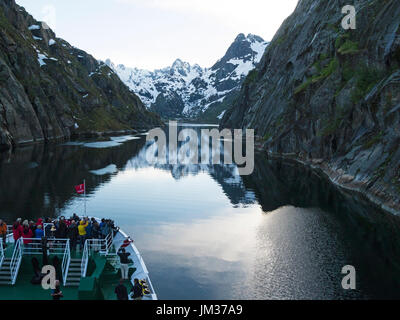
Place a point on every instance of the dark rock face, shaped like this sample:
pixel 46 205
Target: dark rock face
pixel 50 89
pixel 240 50
pixel 170 107
pixel 331 95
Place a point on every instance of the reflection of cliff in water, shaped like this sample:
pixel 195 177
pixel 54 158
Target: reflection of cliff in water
pixel 226 175
pixel 374 232
pixel 39 180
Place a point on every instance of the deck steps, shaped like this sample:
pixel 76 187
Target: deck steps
pixel 74 273
pixel 5 272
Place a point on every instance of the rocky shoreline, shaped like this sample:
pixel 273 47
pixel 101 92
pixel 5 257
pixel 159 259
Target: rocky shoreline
pixel 86 134
pixel 376 193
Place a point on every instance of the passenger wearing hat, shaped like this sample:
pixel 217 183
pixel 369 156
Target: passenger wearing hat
pixel 53 231
pixel 82 232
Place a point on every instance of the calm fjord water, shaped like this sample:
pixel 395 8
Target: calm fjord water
pixel 207 233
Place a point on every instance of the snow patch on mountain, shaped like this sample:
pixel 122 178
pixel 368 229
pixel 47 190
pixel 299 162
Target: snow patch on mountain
pixel 191 86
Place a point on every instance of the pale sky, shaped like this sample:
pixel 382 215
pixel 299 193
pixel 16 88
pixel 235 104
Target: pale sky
pixel 151 34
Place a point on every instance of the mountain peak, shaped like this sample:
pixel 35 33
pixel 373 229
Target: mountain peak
pixel 240 37
pixel 250 38
pixel 254 38
pixel 244 48
pixel 194 89
pixel 178 63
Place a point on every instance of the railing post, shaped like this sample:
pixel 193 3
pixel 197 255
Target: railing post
pixel 85 258
pixel 1 253
pixel 66 261
pixel 16 260
pixel 9 232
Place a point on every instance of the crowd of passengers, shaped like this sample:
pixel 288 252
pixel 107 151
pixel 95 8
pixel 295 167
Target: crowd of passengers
pixel 76 229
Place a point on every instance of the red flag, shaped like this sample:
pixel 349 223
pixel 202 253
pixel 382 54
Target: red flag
pixel 126 243
pixel 80 188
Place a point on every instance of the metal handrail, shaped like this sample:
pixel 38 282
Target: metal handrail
pixel 109 241
pixel 16 261
pixel 93 244
pixel 85 259
pixel 55 246
pixel 9 231
pixel 1 252
pixel 66 262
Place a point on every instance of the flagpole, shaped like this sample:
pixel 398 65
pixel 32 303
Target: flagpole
pixel 84 190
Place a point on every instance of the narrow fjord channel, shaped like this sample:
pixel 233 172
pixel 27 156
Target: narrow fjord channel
pixel 207 233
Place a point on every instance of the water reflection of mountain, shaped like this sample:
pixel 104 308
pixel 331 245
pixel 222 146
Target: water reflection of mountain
pixel 226 176
pixel 38 180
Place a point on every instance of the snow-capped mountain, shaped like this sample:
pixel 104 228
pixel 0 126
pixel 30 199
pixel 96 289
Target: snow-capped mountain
pixel 189 91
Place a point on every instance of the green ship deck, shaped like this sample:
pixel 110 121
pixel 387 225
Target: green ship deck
pixel 99 284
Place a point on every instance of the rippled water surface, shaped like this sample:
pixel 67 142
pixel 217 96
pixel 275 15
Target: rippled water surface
pixel 207 233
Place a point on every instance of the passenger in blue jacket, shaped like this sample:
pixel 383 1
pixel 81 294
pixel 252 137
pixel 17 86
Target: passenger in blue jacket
pixel 39 233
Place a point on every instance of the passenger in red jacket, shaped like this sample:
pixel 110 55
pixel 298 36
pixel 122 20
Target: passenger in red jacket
pixel 39 222
pixel 17 229
pixel 27 234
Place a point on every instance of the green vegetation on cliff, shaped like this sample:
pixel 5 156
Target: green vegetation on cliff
pixel 335 92
pixel 50 89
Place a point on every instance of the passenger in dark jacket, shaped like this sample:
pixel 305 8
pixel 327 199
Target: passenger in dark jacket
pixel 89 230
pixel 121 291
pixel 32 226
pixel 57 293
pixel 45 247
pixel 72 234
pixel 137 290
pixel 47 229
pixel 124 263
pixel 95 230
pixel 62 229
pixel 75 218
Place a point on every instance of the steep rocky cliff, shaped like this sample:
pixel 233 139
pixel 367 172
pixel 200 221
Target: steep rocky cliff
pixel 50 89
pixel 330 97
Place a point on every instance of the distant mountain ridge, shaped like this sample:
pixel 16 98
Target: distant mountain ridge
pixel 190 91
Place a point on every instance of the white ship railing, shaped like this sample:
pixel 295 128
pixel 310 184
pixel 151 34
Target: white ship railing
pixel 66 262
pixel 1 252
pixel 16 261
pixel 34 246
pixel 109 241
pixel 9 232
pixel 85 259
pixel 100 245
